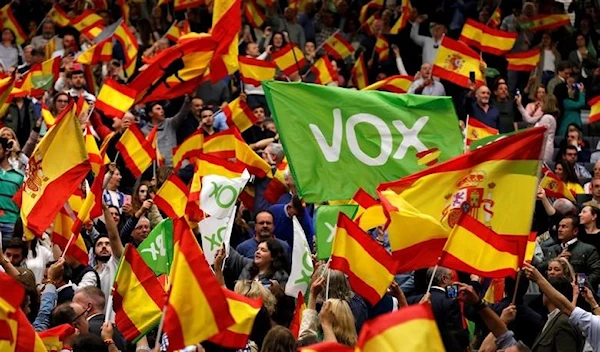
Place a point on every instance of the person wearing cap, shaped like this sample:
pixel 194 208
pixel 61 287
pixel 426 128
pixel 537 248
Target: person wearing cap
pixel 431 44
pixel 74 78
pixel 10 182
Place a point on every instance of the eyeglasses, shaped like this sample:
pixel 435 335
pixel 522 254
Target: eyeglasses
pixel 80 315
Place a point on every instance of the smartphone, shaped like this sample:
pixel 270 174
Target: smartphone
pixel 581 281
pixel 472 76
pixel 126 199
pixel 452 291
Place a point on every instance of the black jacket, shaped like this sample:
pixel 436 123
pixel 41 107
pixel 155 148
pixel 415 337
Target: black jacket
pixel 584 259
pixel 95 327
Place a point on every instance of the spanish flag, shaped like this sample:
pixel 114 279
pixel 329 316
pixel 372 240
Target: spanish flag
pixel 178 29
pixel 545 22
pixel 324 71
pixel 172 197
pixel 96 160
pixel 192 208
pixel 338 47
pixel 289 59
pixel 6 87
pixel 92 205
pixel 474 248
pixel 49 48
pixel 496 184
pixel 238 113
pixel 186 4
pixel 523 61
pixel 191 147
pixel 382 48
pixel 138 296
pixel 554 187
pixel 476 130
pixel 407 10
pixel 594 109
pixel 530 249
pixel 254 71
pixel 220 145
pixel 359 73
pixel 49 119
pixel 370 268
pixel 370 211
pixel 10 22
pixel 89 23
pixel 364 10
pixel 297 318
pixel 189 321
pixel 454 62
pixel 55 172
pixel 54 338
pixel 254 14
pixel 495 18
pixel 244 311
pixel 58 16
pixel 211 165
pixel 368 26
pixel 488 40
pixel 115 99
pixel 62 232
pixel 97 53
pixel 408 329
pixel 395 84
pixel 226 25
pixel 136 151
pixel 41 77
pixel 276 188
pixel 130 46
pixel 229 144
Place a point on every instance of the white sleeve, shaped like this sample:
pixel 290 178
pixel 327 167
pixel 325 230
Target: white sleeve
pixel 60 84
pixel 89 279
pixel 588 323
pixel 415 36
pixel 400 66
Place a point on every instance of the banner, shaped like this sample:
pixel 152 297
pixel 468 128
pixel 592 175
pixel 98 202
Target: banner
pixel 219 194
pixel 214 232
pixel 326 217
pixel 302 265
pixel 157 248
pixel 358 139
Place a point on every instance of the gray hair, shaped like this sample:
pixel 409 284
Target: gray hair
pixel 564 206
pixel 277 150
pixel 439 275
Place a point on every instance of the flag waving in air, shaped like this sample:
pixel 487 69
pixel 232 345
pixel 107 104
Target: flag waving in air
pixel 302 266
pixel 219 194
pixel 455 61
pixel 157 248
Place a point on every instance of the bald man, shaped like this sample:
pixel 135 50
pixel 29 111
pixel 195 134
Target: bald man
pixel 425 84
pixel 481 109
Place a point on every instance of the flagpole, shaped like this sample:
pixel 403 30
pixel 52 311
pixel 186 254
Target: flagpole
pixel 160 329
pixel 431 279
pixel 327 287
pixel 67 246
pixel 109 306
pixel 514 297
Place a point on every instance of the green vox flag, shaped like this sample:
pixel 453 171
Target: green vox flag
pixel 489 139
pixel 157 248
pixel 325 220
pixel 338 140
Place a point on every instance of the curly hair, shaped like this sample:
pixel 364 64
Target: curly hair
pixel 280 262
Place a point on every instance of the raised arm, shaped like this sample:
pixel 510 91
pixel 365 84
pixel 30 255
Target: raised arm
pixel 560 301
pixel 113 234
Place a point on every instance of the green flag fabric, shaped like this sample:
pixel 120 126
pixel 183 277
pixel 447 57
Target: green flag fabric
pixel 489 139
pixel 157 248
pixel 326 217
pixel 338 140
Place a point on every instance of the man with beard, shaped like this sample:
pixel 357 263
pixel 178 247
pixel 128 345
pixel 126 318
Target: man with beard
pixel 48 32
pixel 107 252
pixel 75 80
pixel 480 108
pixel 263 230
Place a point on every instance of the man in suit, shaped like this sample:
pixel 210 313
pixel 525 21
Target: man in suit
pixel 446 310
pixel 92 299
pixel 558 335
pixel 582 256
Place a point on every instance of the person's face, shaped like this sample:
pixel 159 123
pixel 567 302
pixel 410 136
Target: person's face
pixel 48 29
pixel 502 92
pixel 546 40
pixel 141 231
pixel 271 127
pixel 540 94
pixel 37 59
pixel 586 216
pixel 252 50
pixel 68 41
pixel 288 13
pixel 207 118
pixel 309 47
pixel 143 193
pixel 566 231
pixel 78 80
pixel 259 113
pixel 555 269
pixel 483 95
pixel 580 41
pixel 566 73
pixel 6 134
pixel 14 255
pixel 571 156
pixel 157 112
pixel 116 178
pixel 197 105
pixel 558 170
pixel 438 31
pixel 278 40
pixel 115 215
pixel 7 36
pixel 572 136
pixel 61 102
pixel 597 169
pixel 102 247
pixel 262 256
pixel 27 54
pixel 80 322
pixel 264 226
pixel 596 188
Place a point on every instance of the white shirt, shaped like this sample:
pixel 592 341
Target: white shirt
pixel 435 89
pixel 38 264
pixel 107 273
pixel 570 242
pixel 589 324
pixel 429 45
pixel 549 60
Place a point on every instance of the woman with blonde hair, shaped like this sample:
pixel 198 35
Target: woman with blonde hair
pixel 17 159
pixel 262 323
pixel 548 120
pixel 534 109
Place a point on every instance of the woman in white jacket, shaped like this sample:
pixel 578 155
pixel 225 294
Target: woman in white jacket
pixel 548 120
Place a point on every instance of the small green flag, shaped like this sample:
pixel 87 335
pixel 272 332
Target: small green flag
pixel 359 139
pixel 325 220
pixel 157 248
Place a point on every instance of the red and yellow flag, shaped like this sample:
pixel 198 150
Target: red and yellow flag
pixel 92 205
pixel 370 268
pixel 408 329
pixel 62 232
pixel 54 338
pixel 530 249
pixel 370 211
pixel 178 29
pixel 186 4
pixel 10 22
pixel 523 61
pixel 455 61
pixel 138 296
pixel 545 22
pixel 253 14
pixel 365 9
pixel 88 23
pixel 115 99
pixel 297 318
pixel 96 160
pixel 244 311
pixel 496 184
pixel 130 47
pixel 554 187
pixel 229 144
pixel 125 9
pixel 594 109
pixel 226 25
pixel 191 147
pixel 41 77
pixel 136 151
pixel 6 87
pixel 495 18
pixel 407 10
pixel 55 172
pixel 338 47
pixel 324 71
pixel 49 48
pixel 192 208
pixel 290 59
pixel 487 39
pixel 189 321
pixel 172 197
pixel 49 119
pixel 474 248
pixel 97 53
pixel 327 346
pixel 254 71
pixel 238 113
pixel 476 130
pixel 58 16
pixel 395 84
pixel 382 48
pixel 211 165
pixel 359 73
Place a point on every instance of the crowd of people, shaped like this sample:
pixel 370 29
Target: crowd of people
pixel 551 306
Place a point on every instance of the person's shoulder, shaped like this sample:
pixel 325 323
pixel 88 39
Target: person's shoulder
pixel 584 247
pixel 245 245
pixel 276 207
